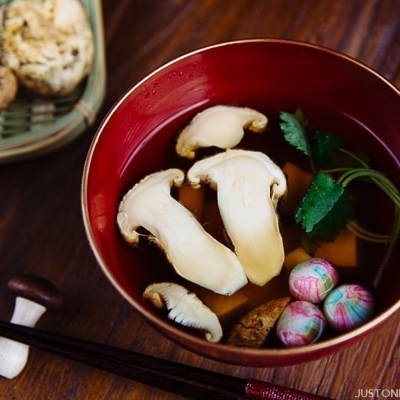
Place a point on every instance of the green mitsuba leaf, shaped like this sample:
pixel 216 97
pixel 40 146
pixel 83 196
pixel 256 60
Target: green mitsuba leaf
pixel 325 209
pixel 294 131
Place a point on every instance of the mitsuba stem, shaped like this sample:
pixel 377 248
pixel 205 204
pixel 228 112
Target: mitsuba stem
pixel 299 134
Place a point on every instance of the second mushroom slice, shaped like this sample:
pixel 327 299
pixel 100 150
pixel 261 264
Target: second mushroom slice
pixel 194 253
pixel 249 185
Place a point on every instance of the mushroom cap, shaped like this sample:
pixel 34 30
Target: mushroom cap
pixel 141 205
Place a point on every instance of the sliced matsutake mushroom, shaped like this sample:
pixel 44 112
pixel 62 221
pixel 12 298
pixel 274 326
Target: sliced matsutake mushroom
pixel 220 126
pixel 249 185
pixel 194 253
pixel 184 308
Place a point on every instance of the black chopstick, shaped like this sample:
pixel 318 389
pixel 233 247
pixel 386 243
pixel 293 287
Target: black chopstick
pixel 185 380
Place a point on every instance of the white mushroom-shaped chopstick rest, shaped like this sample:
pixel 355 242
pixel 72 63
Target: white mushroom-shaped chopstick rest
pixel 34 295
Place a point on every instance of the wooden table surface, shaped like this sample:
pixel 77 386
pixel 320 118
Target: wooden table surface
pixel 41 228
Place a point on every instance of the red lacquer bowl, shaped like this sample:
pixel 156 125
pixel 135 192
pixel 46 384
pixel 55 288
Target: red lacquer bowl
pixel 336 92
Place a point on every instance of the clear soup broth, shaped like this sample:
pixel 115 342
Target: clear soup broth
pixel 357 261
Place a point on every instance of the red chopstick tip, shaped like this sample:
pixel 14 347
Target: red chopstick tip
pixel 256 389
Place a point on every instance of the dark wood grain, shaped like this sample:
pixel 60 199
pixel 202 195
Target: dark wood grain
pixel 41 229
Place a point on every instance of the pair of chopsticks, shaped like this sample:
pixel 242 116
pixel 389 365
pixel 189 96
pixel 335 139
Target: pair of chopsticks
pixel 181 379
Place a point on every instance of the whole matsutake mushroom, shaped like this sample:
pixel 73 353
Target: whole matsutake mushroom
pixel 48 44
pixel 249 185
pixel 194 253
pixel 220 126
pixel 8 87
pixel 184 308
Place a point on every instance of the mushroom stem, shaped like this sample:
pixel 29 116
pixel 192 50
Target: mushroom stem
pixel 34 296
pixel 14 355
